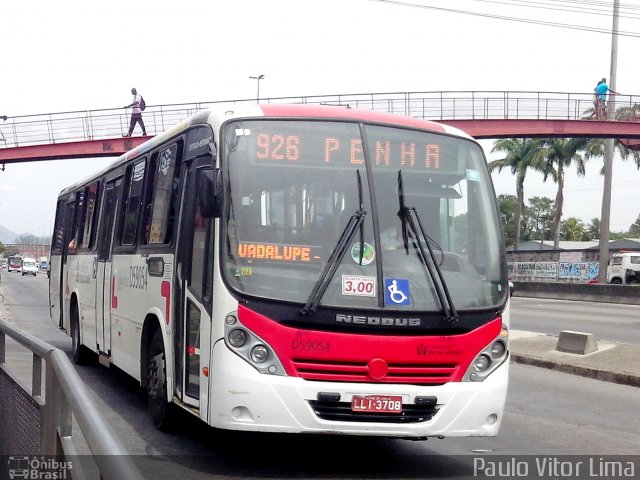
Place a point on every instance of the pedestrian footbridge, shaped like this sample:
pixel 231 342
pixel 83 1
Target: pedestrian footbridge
pixel 482 114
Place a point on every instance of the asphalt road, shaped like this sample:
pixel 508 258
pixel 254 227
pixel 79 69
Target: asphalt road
pixel 547 413
pixel 608 321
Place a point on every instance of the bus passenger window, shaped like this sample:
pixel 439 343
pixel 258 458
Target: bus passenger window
pixel 88 221
pixel 161 212
pixel 69 226
pixel 132 204
pixel 76 241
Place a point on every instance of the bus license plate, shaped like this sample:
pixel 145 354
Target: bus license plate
pixel 377 403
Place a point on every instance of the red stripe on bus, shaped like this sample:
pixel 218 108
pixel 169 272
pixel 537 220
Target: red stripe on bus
pixel 114 299
pixel 165 292
pixel 334 356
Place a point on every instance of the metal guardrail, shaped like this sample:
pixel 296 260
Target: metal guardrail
pixel 99 124
pixel 43 418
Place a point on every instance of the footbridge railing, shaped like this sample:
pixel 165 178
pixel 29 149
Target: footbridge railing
pixel 99 124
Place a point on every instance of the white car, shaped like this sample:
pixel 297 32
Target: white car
pixel 29 266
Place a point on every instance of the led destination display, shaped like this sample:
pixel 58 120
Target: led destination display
pixel 278 253
pixel 339 145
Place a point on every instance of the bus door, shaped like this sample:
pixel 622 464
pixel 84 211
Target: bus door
pixel 68 237
pixel 109 207
pixel 194 290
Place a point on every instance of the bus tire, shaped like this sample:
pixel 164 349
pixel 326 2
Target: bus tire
pixel 81 355
pixel 162 412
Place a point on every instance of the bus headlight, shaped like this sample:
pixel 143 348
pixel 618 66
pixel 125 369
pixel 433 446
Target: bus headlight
pixel 490 358
pixel 237 338
pixel 498 348
pixel 259 353
pixel 244 343
pixel 482 362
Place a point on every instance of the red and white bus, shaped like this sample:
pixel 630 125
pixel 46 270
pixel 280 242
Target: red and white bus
pixel 294 268
pixel 14 264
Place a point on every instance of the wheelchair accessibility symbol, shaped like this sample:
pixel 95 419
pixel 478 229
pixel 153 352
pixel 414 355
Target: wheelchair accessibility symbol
pixel 396 291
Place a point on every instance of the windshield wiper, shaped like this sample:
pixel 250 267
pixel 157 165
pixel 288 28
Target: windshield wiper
pixel 355 222
pixel 406 215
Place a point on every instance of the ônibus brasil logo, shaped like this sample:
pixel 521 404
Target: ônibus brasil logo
pixel 39 468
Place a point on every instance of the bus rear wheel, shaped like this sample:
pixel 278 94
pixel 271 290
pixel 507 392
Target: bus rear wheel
pixel 162 412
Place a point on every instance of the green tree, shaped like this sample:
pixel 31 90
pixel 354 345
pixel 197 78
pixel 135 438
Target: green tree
pixel 595 146
pixel 508 204
pixel 541 214
pixel 593 229
pixel 520 153
pixel 634 229
pixel 27 238
pixel 572 229
pixel 555 156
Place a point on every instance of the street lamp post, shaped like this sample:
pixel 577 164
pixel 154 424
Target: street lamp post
pixel 258 78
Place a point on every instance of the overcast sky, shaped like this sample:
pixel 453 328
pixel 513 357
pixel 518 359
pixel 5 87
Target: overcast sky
pixel 79 55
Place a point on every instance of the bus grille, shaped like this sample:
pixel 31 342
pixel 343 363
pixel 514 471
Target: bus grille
pixel 416 374
pixel 341 412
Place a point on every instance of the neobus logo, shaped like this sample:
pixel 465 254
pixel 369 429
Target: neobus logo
pixel 378 321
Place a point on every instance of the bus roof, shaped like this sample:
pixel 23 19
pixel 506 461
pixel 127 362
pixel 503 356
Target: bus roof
pixel 346 113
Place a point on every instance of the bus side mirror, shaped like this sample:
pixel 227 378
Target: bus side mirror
pixel 210 192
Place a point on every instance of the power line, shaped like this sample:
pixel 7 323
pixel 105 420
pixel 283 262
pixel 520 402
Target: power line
pixel 553 5
pixel 511 19
pixel 607 5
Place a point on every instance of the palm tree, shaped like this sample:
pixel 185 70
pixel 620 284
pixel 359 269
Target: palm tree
pixel 572 229
pixel 519 156
pixel 555 156
pixel 593 229
pixel 596 145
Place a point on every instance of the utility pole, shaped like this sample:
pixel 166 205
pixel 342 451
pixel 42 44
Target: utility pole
pixel 605 215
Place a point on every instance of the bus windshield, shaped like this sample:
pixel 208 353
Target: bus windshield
pixel 294 186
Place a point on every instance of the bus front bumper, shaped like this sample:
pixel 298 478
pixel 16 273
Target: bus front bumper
pixel 241 398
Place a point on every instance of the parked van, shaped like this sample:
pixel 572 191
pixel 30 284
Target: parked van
pixel 29 266
pixel 624 268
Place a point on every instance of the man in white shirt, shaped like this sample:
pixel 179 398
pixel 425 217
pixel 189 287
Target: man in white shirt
pixel 136 113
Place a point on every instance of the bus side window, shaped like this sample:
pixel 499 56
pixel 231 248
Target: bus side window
pixel 87 217
pixel 75 227
pixel 58 230
pixel 132 202
pixel 161 205
pixel 68 228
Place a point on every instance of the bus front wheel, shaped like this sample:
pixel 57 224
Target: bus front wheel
pixel 162 412
pixel 81 355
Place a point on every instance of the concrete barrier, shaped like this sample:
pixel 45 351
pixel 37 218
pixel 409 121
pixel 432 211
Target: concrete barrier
pixel 628 294
pixel 576 342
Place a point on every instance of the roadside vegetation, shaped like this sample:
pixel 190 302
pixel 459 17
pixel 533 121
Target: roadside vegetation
pixel 541 218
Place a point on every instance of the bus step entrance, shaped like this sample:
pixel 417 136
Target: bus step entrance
pixel 103 359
